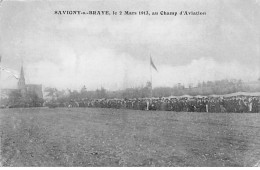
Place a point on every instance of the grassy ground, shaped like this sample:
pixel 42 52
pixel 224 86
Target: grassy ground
pixel 110 137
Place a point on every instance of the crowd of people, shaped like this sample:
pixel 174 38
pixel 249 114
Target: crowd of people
pixel 239 104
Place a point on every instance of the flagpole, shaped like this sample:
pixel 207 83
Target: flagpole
pixel 0 81
pixel 151 73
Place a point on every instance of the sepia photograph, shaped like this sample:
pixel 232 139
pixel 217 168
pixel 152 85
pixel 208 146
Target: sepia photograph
pixel 129 83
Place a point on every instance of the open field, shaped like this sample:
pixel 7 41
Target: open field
pixel 110 137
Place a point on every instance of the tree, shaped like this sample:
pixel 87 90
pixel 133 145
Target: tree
pixel 33 99
pixel 52 92
pixel 74 95
pixel 101 93
pixel 15 97
pixel 83 92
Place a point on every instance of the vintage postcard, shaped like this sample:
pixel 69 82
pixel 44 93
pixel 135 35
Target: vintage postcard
pixel 129 83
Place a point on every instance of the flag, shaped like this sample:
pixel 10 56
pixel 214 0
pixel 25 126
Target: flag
pixel 152 64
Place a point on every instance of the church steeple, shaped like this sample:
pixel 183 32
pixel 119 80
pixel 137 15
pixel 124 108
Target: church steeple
pixel 21 82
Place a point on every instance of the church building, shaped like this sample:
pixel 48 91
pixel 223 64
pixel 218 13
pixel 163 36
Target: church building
pixel 28 88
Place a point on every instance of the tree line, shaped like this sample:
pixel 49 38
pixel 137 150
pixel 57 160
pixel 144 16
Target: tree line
pixel 218 87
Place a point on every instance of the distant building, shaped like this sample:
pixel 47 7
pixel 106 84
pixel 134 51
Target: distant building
pixel 24 88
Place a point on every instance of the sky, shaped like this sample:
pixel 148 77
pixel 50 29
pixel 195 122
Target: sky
pixel 69 51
